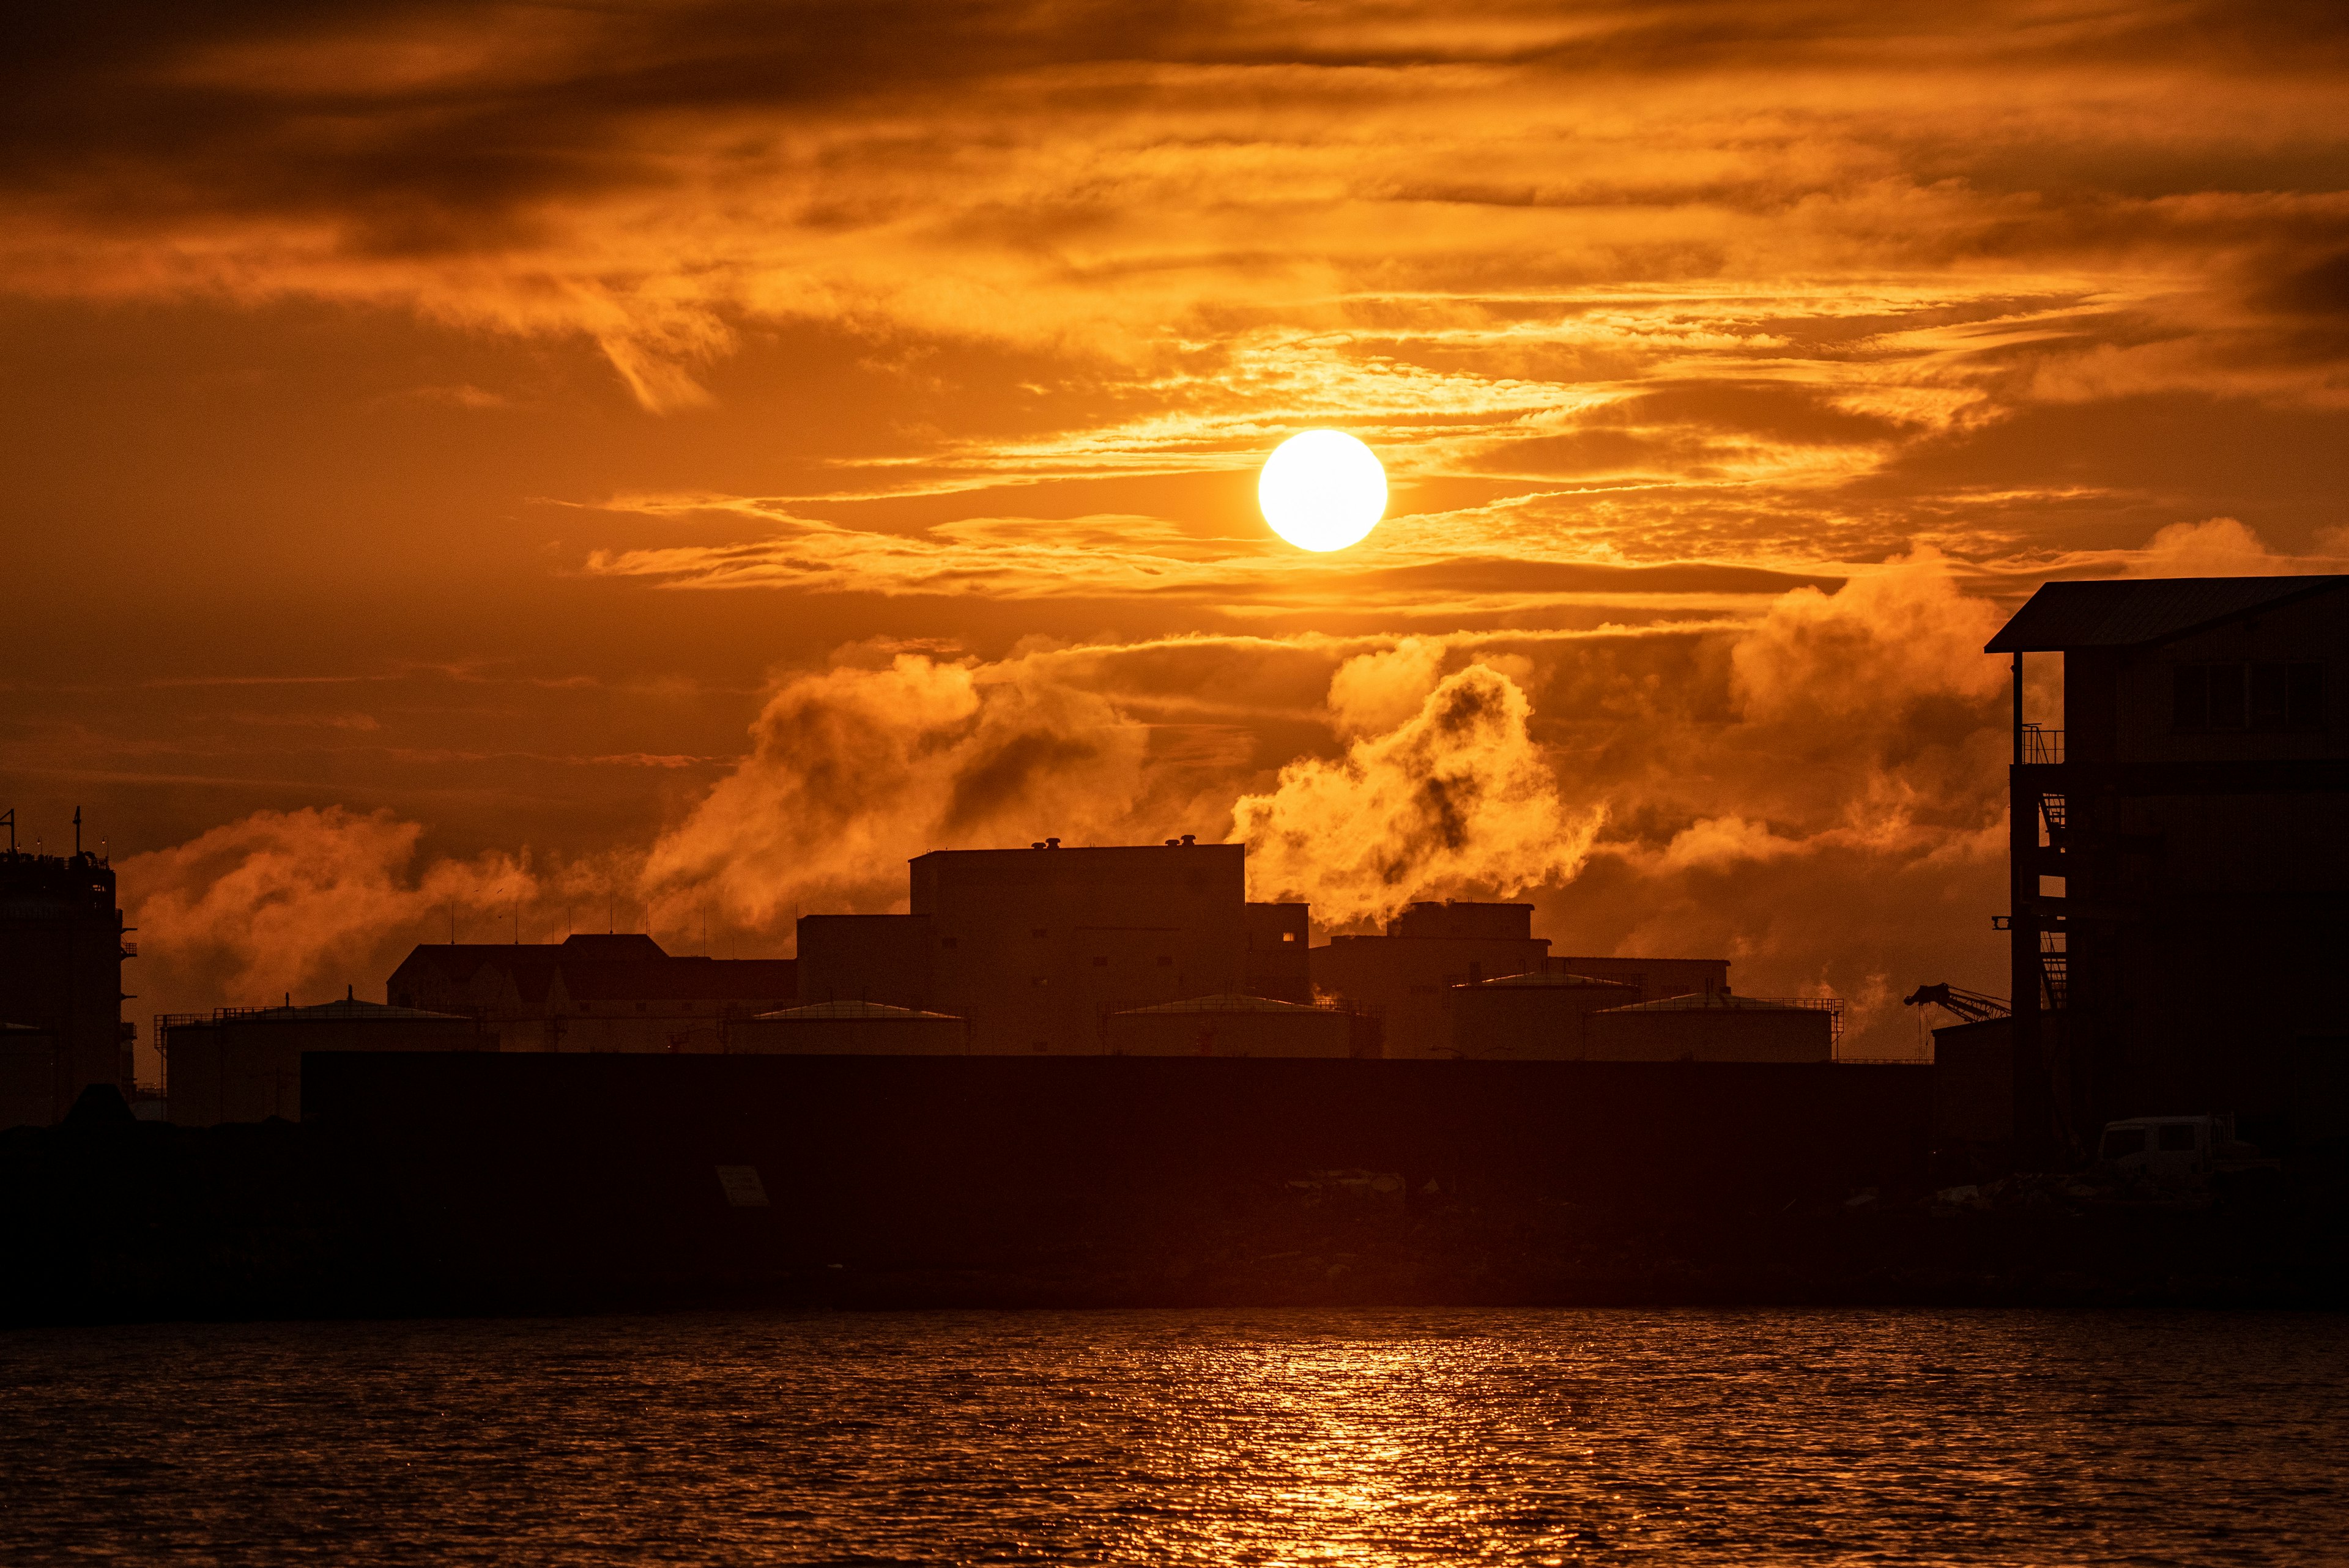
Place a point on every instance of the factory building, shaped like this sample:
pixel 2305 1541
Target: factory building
pixel 592 993
pixel 62 943
pixel 244 1064
pixel 2180 856
pixel 1231 1026
pixel 1410 972
pixel 34 1078
pixel 1716 1027
pixel 1279 951
pixel 1037 948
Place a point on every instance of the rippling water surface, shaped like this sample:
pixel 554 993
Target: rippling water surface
pixel 1191 1436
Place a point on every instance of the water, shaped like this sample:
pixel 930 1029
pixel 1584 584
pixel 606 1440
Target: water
pixel 1357 1437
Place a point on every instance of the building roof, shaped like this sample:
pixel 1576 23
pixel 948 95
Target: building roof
pixel 681 979
pixel 629 967
pixel 1227 1003
pixel 371 1012
pixel 1723 1002
pixel 857 1010
pixel 2121 613
pixel 1552 979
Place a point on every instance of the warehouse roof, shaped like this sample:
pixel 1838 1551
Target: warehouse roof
pixel 2121 613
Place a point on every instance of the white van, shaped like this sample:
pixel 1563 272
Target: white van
pixel 2167 1148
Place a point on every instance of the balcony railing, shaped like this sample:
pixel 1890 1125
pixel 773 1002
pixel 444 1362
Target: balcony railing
pixel 2042 746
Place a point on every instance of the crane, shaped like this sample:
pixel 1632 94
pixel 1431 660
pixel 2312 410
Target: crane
pixel 1973 1007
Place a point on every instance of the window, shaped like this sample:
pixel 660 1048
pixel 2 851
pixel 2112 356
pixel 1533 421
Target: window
pixel 1037 980
pixel 2177 1137
pixel 2268 696
pixel 2120 1142
pixel 1289 936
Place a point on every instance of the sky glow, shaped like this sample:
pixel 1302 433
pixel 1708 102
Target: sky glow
pixel 696 458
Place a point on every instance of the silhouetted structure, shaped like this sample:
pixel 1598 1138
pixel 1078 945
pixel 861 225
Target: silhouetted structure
pixel 2191 805
pixel 848 1029
pixel 33 1077
pixel 1537 1016
pixel 507 1164
pixel 1230 1026
pixel 1409 970
pixel 1717 1027
pixel 62 943
pixel 1973 1079
pixel 1654 978
pixel 244 1064
pixel 592 993
pixel 1279 951
pixel 1037 948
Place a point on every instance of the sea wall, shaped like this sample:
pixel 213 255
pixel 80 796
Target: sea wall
pixel 632 1166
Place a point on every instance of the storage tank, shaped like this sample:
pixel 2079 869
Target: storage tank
pixel 1229 1025
pixel 1716 1027
pixel 848 1029
pixel 1531 1018
pixel 244 1064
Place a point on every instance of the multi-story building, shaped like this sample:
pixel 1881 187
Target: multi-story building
pixel 592 993
pixel 2180 855
pixel 1037 948
pixel 62 943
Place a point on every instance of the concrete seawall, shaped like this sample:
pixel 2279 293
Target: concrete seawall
pixel 610 1166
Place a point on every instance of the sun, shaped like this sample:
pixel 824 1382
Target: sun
pixel 1322 489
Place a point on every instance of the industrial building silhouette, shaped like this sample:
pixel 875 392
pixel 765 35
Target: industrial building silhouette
pixel 1051 951
pixel 2178 843
pixel 2187 803
pixel 62 943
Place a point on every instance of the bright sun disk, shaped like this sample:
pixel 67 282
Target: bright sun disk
pixel 1322 489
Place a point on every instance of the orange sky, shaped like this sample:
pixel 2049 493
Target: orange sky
pixel 694 456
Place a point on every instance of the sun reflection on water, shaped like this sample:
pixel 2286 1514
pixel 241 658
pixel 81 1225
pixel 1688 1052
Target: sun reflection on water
pixel 1145 1438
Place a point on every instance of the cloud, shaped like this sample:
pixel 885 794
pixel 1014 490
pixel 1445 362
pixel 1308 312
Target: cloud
pixel 1815 792
pixel 1889 640
pixel 1457 799
pixel 853 772
pixel 1377 691
pixel 2218 547
pixel 299 902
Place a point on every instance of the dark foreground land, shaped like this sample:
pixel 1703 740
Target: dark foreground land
pixel 120 1221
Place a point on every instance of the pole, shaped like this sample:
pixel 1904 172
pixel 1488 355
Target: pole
pixel 2033 1101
